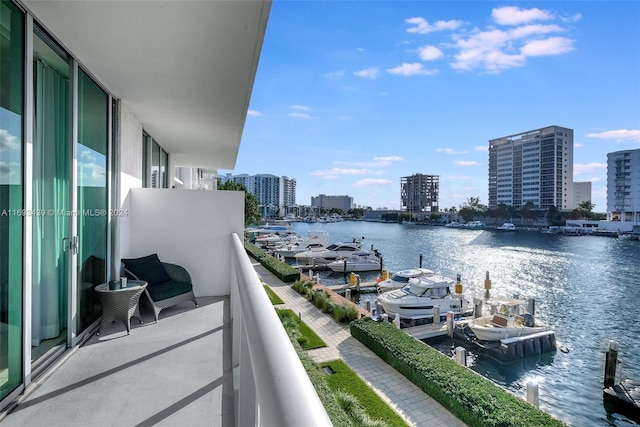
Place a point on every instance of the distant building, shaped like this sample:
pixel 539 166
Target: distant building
pixel 276 194
pixel 419 193
pixel 323 201
pixel 534 166
pixel 581 192
pixel 623 185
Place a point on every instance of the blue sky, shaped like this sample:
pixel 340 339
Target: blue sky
pixel 350 96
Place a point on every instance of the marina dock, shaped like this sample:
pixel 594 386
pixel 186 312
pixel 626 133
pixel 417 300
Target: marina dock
pixel 625 396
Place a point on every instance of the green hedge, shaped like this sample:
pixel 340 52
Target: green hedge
pixel 342 313
pixel 281 270
pixel 472 398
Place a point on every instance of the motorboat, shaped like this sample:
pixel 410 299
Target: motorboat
pixel 474 225
pixel 323 256
pixel 314 240
pixel 417 299
pixel 400 278
pixel 507 226
pixel 454 224
pixel 509 320
pixel 359 261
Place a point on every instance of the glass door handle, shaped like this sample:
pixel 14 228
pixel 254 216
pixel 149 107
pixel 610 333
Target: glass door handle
pixel 65 244
pixel 74 245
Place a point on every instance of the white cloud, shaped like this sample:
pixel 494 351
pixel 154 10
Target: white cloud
pixel 254 113
pixel 632 135
pixel 481 148
pixel 376 163
pixel 513 15
pixel 421 26
pixel 414 69
pixel 5 170
pixel 368 73
pixel 335 173
pixel 389 158
pixel 467 163
pixel 301 108
pixel 450 151
pixel 588 168
pixel 549 46
pixel 573 18
pixel 10 174
pixel 496 49
pixel 429 53
pixel 8 141
pixel 368 182
pixel 577 145
pixel 299 115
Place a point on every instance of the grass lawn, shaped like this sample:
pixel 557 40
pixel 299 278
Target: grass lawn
pixel 310 339
pixel 275 299
pixel 346 380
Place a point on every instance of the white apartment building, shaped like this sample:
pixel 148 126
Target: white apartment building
pixel 276 194
pixel 623 185
pixel 581 192
pixel 534 166
pixel 323 201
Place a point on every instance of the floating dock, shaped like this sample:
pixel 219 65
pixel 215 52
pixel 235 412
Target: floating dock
pixel 367 287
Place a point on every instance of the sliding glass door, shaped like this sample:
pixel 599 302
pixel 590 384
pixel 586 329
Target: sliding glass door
pixel 92 196
pixel 11 199
pixel 51 198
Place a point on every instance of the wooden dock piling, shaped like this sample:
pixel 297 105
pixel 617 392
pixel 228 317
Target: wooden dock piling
pixel 625 396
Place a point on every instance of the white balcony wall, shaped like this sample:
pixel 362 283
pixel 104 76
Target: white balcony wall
pixel 130 163
pixel 187 227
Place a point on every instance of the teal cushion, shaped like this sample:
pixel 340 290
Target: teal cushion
pixel 148 268
pixel 168 289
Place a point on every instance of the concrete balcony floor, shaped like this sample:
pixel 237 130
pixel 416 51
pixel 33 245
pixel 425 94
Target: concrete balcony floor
pixel 176 372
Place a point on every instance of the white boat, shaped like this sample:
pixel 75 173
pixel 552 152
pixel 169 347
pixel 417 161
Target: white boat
pixel 508 321
pixel 359 261
pixel 507 226
pixel 317 240
pixel 474 225
pixel 323 256
pixel 417 299
pixel 454 224
pixel 400 278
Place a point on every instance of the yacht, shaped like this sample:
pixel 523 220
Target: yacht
pixel 314 240
pixel 507 226
pixel 400 278
pixel 509 320
pixel 417 299
pixel 359 261
pixel 323 256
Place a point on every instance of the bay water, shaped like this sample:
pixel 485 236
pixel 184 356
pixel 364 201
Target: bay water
pixel 586 288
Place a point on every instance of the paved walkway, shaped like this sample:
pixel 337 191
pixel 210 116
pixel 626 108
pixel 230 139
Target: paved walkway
pixel 411 403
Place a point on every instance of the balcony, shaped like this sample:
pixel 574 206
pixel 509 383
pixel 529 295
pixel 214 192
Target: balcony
pixel 228 362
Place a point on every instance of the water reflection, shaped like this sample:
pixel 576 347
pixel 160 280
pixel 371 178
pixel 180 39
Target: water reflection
pixel 586 288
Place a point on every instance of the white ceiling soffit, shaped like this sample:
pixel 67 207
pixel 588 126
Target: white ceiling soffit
pixel 185 68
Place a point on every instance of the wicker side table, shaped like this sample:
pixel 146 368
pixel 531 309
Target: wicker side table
pixel 120 304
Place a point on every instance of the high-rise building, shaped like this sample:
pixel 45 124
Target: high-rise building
pixel 332 202
pixel 581 192
pixel 534 166
pixel 275 194
pixel 623 185
pixel 419 193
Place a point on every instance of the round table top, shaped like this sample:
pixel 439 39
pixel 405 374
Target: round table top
pixel 131 284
